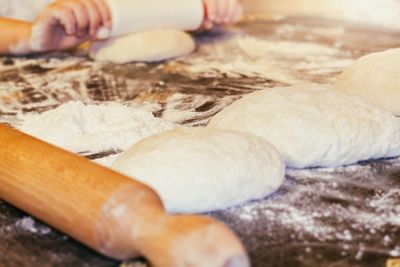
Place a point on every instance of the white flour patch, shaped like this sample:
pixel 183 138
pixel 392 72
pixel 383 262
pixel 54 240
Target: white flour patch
pixel 30 225
pixel 90 129
pixel 53 87
pixel 384 211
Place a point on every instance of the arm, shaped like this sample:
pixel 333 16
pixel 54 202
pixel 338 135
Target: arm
pixel 63 25
pixel 15 36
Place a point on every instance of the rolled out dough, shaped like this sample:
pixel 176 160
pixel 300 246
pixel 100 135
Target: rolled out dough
pixel 315 126
pixel 147 46
pixel 376 77
pixel 199 169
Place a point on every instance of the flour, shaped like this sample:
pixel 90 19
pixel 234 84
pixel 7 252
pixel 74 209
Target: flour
pixel 356 212
pixel 30 225
pixel 297 50
pixel 89 129
pixel 295 29
pixel 288 62
pixel 184 109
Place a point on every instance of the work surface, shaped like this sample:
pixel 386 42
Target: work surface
pixel 321 217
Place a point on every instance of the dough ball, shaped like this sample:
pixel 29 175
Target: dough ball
pixel 148 46
pixel 315 126
pixel 375 77
pixel 199 169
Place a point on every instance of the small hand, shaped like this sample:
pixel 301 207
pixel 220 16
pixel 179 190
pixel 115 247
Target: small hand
pixel 220 12
pixel 66 24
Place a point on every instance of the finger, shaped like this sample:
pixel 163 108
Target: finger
pixel 103 33
pixel 225 18
pixel 221 5
pixel 230 11
pixel 104 13
pixel 81 16
pixel 238 13
pixel 208 25
pixel 211 9
pixel 205 26
pixel 71 41
pixel 94 17
pixel 64 16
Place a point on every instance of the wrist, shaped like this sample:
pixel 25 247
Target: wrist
pixel 22 42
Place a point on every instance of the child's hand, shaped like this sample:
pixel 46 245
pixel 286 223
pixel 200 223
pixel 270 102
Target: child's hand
pixel 66 24
pixel 221 12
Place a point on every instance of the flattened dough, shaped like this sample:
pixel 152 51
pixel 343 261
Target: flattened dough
pixel 315 126
pixel 199 169
pixel 375 77
pixel 147 46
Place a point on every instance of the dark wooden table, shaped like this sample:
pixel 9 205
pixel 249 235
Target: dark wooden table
pixel 320 217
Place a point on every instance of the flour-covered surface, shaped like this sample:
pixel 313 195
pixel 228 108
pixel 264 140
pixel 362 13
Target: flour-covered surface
pixel 325 217
pixel 342 217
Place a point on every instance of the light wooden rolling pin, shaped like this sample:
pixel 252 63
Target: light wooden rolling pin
pixel 112 214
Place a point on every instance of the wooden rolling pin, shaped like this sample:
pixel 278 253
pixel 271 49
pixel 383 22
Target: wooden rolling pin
pixel 113 214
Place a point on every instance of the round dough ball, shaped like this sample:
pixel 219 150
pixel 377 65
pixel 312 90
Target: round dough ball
pixel 313 126
pixel 148 46
pixel 200 170
pixel 375 77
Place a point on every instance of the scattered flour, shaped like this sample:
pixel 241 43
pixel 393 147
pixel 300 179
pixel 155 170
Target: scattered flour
pixel 184 109
pixel 310 33
pixel 29 224
pixel 297 50
pixel 289 62
pixel 356 212
pixel 91 129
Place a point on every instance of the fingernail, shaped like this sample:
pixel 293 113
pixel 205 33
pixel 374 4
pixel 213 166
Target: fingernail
pixel 70 31
pixel 103 33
